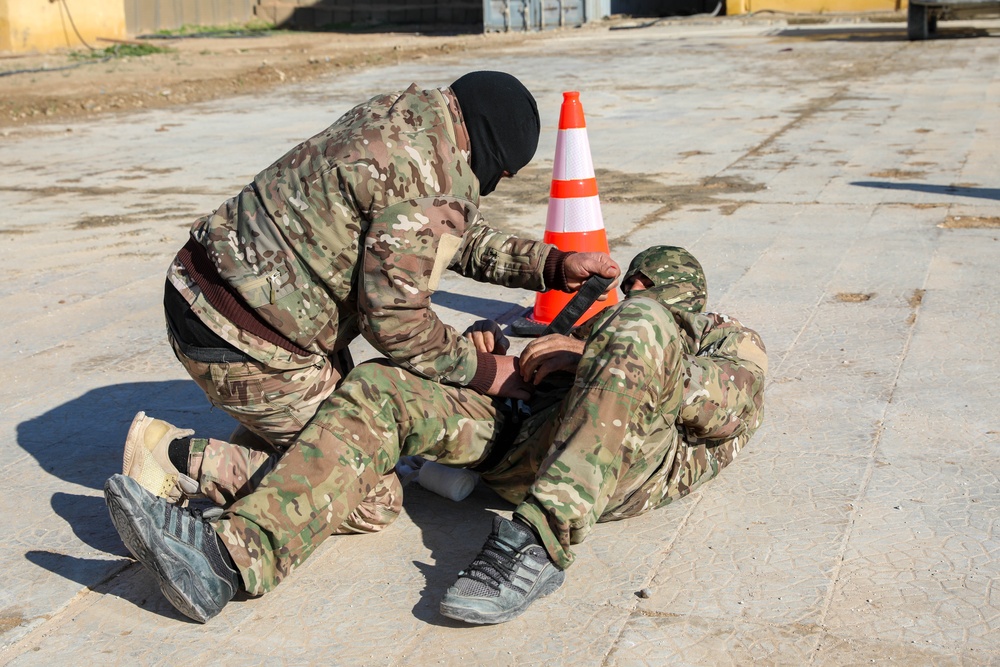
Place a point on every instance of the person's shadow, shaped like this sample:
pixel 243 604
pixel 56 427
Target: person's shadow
pixel 454 532
pixel 81 442
pixel 934 189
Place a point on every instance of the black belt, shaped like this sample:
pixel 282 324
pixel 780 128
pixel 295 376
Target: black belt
pixel 192 337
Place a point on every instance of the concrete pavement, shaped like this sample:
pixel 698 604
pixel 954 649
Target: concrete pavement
pixel 839 184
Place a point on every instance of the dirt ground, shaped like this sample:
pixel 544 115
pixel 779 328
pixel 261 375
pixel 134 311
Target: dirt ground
pixel 46 87
pixel 50 87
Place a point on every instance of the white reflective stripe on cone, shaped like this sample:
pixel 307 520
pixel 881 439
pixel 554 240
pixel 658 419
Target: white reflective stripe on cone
pixel 572 159
pixel 579 214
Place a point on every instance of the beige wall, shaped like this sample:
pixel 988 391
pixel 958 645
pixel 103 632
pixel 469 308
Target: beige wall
pixel 813 6
pixel 43 25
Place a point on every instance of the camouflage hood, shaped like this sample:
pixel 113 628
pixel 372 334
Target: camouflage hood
pixel 678 281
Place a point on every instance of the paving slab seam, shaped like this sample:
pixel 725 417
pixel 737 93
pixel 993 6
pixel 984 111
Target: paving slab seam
pixel 13 463
pixel 43 626
pixel 648 219
pixel 807 112
pixel 98 299
pixel 775 368
pixel 29 398
pixel 869 469
pixel 693 501
pixel 802 115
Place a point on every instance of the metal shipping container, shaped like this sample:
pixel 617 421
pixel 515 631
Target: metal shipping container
pixel 527 15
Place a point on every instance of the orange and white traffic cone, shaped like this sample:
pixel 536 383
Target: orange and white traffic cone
pixel 574 220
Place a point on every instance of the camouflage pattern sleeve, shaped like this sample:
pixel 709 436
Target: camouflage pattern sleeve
pixel 406 248
pixel 724 381
pixel 491 256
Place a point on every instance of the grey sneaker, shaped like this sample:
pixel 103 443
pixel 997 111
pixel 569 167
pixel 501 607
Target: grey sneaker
pixel 504 579
pixel 176 544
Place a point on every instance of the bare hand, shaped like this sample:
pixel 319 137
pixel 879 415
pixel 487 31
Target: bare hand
pixel 580 266
pixel 488 338
pixel 550 354
pixel 508 382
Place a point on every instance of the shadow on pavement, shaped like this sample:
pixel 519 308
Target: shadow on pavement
pixel 454 532
pixel 954 190
pixel 873 33
pixel 81 441
pixel 474 305
pixel 136 586
pixel 88 517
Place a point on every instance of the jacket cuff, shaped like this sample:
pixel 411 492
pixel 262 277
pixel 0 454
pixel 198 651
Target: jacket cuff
pixel 554 271
pixel 486 372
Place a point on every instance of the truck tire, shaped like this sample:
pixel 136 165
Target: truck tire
pixel 917 23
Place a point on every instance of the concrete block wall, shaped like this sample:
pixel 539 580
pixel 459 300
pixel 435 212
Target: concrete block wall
pixel 310 14
pixel 148 16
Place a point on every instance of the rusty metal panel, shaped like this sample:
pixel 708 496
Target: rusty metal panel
pixel 505 15
pixel 529 15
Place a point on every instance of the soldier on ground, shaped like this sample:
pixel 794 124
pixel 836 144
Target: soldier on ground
pixel 642 404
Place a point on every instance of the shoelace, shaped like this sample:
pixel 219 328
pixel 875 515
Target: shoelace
pixel 494 566
pixel 207 515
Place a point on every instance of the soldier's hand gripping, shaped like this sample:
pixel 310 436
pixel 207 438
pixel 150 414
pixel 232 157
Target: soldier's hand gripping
pixel 550 354
pixel 581 265
pixel 488 338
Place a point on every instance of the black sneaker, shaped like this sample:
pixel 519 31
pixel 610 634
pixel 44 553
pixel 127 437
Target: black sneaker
pixel 176 544
pixel 508 574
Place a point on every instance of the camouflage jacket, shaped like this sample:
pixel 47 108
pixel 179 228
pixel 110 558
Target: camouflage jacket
pixel 350 231
pixel 719 353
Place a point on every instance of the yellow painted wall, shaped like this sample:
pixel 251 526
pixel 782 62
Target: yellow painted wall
pixel 813 6
pixel 45 25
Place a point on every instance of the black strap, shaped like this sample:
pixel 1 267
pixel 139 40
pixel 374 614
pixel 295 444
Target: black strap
pixel 504 440
pixel 578 305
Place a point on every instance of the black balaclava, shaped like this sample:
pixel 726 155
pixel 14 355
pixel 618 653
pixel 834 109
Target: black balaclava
pixel 502 121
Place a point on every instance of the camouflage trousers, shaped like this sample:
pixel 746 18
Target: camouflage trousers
pixel 272 407
pixel 604 445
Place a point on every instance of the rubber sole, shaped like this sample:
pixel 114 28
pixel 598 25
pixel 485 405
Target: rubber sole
pixel 151 548
pixel 478 617
pixel 133 442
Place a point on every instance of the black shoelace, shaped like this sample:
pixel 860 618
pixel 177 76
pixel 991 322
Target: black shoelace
pixel 494 566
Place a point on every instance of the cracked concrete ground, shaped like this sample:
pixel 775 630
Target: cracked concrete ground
pixel 839 184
